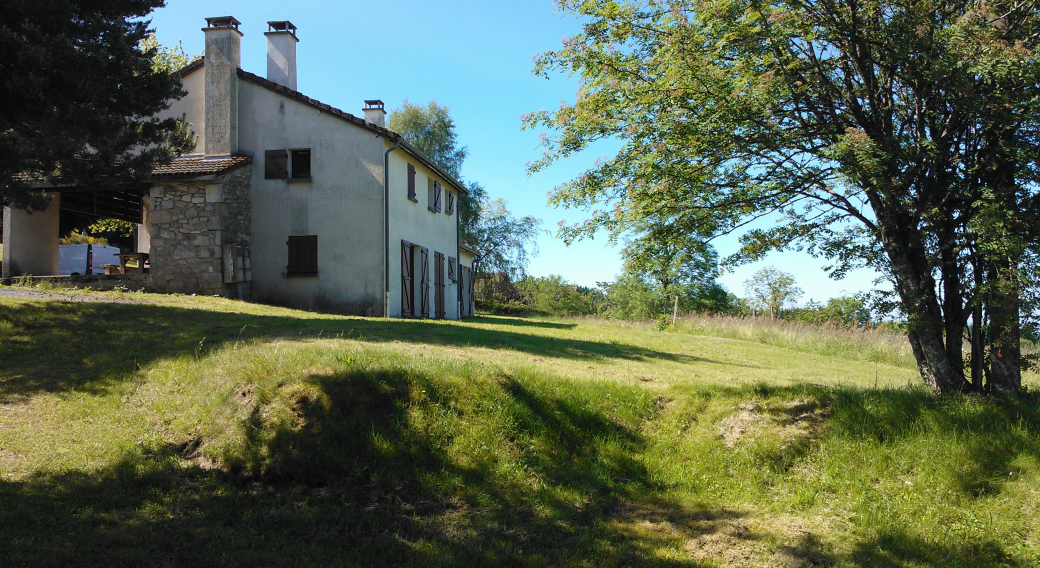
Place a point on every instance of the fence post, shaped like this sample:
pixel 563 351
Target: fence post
pixel 675 312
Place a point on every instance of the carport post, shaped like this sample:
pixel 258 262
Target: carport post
pixel 31 240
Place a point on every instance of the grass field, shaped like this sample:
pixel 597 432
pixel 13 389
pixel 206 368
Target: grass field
pixel 182 431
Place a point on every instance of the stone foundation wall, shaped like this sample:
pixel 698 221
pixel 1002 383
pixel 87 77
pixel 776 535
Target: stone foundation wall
pixel 188 223
pixel 134 282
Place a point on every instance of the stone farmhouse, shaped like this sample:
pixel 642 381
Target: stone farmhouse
pixel 286 200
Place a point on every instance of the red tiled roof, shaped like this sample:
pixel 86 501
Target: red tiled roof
pixel 199 166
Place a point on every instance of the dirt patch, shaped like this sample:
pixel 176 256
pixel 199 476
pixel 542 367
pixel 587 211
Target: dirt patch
pixel 744 423
pixel 244 395
pixel 191 451
pixel 724 537
pixel 740 543
pixel 791 420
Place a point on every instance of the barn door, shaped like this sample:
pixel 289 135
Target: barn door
pixel 438 282
pixel 424 259
pixel 407 280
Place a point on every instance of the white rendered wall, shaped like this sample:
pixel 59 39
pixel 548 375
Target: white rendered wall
pixel 415 223
pixel 341 204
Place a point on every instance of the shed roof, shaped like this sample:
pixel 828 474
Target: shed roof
pixel 199 166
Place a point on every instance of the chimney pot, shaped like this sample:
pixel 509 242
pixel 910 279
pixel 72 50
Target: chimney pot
pixel 375 112
pixel 281 53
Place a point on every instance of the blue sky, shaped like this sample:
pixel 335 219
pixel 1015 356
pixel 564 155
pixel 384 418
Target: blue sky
pixel 476 58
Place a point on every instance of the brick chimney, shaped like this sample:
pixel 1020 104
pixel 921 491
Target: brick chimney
pixel 281 53
pixel 375 113
pixel 223 57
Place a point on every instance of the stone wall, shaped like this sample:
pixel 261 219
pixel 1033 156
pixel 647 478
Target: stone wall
pixel 188 223
pixel 133 282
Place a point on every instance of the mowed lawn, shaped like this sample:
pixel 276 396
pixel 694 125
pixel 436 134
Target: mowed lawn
pixel 183 431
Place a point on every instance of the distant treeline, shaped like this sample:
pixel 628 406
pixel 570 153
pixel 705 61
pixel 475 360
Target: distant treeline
pixel 633 298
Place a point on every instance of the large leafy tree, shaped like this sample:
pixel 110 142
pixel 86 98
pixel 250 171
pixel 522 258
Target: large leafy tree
pixel 80 90
pixel 506 242
pixel 431 130
pixel 895 134
pixel 771 289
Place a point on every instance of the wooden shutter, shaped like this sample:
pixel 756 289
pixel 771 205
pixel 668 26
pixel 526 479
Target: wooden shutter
pixel 276 164
pixel 407 280
pixel 424 259
pixel 438 282
pixel 437 196
pixel 451 269
pixel 303 255
pixel 451 203
pixel 466 277
pixel 411 183
pixel 469 289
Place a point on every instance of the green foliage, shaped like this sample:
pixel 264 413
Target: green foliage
pixel 165 60
pixel 431 130
pixel 114 226
pixel 770 289
pixel 552 295
pixel 81 85
pixel 919 164
pixel 505 243
pixel 77 238
pixel 633 297
pixel 843 310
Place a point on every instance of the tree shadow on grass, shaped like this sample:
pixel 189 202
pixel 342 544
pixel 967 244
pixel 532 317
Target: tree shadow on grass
pixel 993 431
pixel 898 550
pixel 337 471
pixel 56 346
pixel 520 322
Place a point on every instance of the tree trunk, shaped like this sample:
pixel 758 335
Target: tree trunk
pixel 976 349
pixel 916 288
pixel 1005 354
pixel 953 310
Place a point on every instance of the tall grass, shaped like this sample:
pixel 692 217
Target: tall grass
pixel 856 343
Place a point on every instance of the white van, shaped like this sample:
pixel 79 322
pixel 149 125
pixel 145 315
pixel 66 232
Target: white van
pixel 80 260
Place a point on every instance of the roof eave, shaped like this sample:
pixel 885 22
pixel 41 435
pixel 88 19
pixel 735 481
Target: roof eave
pixel 346 116
pixel 426 161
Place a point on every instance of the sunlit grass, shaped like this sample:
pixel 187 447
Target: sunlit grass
pixel 207 432
pixel 856 343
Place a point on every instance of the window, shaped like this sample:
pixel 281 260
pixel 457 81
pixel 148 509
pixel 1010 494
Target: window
pixel 301 164
pixel 291 164
pixel 275 164
pixel 303 256
pixel 451 203
pixel 434 202
pixel 411 184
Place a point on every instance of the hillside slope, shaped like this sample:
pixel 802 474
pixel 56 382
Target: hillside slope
pixel 202 431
